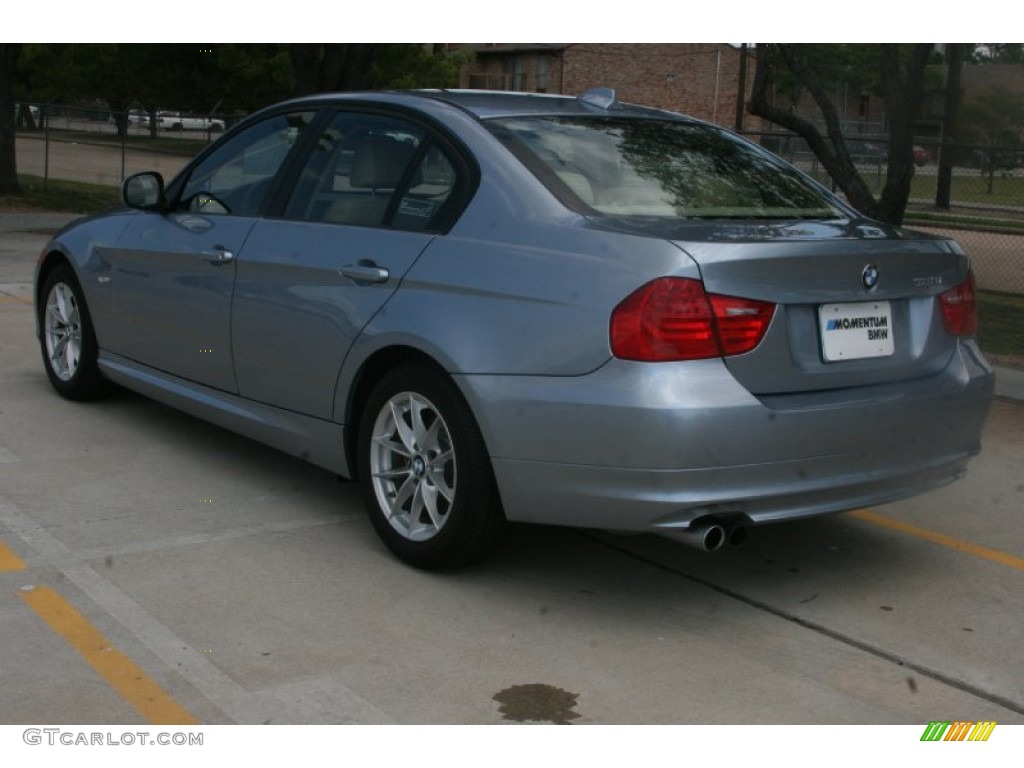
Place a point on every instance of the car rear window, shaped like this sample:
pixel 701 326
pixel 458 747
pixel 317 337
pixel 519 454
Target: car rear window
pixel 659 168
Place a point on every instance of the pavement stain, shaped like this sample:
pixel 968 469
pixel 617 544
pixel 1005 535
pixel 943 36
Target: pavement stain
pixel 537 702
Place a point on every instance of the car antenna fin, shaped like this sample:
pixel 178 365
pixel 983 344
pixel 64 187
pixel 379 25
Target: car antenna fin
pixel 602 98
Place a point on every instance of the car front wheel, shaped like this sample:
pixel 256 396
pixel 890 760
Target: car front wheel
pixel 68 341
pixel 425 474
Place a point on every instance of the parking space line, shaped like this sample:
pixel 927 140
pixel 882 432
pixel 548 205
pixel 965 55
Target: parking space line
pixel 119 671
pixel 8 560
pixel 235 701
pixel 993 555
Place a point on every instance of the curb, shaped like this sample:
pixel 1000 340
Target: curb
pixel 46 223
pixel 1010 383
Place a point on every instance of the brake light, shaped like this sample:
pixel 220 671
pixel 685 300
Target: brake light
pixel 960 309
pixel 674 318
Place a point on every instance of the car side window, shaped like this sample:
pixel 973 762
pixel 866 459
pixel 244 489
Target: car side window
pixel 373 170
pixel 236 178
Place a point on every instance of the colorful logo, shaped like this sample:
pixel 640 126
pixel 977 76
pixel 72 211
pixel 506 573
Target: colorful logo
pixel 960 730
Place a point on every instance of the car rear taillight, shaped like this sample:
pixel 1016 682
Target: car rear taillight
pixel 960 309
pixel 674 318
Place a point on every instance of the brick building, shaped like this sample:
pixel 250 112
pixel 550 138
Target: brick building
pixel 697 79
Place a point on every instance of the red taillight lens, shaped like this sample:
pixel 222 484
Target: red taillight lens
pixel 674 318
pixel 960 309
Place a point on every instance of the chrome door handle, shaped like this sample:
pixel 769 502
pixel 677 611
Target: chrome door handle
pixel 364 272
pixel 218 256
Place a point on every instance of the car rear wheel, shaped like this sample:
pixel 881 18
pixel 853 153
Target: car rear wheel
pixel 425 474
pixel 68 341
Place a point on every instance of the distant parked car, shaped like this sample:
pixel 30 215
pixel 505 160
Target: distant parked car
pixel 32 108
pixel 866 151
pixel 175 121
pixel 494 307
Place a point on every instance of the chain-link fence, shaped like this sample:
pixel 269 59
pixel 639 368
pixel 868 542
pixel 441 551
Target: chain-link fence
pixel 986 211
pixel 99 146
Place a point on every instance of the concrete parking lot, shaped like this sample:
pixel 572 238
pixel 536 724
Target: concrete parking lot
pixel 157 569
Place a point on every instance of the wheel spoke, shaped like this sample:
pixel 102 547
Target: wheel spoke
pixel 407 491
pixel 387 443
pixel 419 428
pixel 405 433
pixel 428 493
pixel 430 437
pixel 62 303
pixel 437 477
pixel 71 355
pixel 395 473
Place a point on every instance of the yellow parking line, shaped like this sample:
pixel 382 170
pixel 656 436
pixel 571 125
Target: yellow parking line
pixel 120 672
pixel 8 560
pixel 942 539
pixel 13 300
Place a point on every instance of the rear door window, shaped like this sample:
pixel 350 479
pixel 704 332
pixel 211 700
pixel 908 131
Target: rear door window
pixel 375 170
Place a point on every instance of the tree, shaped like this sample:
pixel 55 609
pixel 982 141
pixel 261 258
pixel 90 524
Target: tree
pixel 9 53
pixel 995 118
pixel 896 71
pixel 319 67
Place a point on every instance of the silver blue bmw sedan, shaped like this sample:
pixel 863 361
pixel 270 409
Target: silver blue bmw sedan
pixel 494 307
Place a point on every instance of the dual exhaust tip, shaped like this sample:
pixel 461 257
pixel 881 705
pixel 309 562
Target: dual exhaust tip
pixel 711 536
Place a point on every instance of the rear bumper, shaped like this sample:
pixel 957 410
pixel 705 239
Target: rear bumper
pixel 656 447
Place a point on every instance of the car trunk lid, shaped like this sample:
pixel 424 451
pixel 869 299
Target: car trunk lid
pixel 855 301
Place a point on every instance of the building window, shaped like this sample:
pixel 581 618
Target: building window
pixel 543 62
pixel 514 74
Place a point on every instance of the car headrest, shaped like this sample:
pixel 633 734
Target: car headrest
pixel 379 162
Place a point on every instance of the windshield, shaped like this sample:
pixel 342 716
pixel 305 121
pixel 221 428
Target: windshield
pixel 659 168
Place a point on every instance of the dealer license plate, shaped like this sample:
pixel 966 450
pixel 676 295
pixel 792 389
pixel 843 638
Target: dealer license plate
pixel 855 331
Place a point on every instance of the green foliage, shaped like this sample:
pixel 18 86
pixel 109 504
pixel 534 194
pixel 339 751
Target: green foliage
pixel 851 66
pixel 995 118
pixel 59 195
pixel 1001 331
pixel 226 78
pixel 403 65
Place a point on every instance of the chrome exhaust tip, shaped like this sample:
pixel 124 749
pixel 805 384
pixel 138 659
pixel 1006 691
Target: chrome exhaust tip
pixel 709 537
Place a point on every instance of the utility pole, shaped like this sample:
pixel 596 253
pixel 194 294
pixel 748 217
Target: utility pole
pixel 741 91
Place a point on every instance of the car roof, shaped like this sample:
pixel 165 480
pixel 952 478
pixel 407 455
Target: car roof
pixel 491 104
pixel 485 104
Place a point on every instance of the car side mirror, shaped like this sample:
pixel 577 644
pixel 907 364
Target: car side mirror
pixel 144 191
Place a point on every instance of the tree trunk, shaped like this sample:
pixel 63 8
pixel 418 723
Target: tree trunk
pixel 833 154
pixel 903 90
pixel 944 183
pixel 9 53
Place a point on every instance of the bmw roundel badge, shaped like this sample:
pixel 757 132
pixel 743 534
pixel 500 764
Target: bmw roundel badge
pixel 869 277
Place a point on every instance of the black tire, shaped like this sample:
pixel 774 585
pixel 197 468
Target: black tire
pixel 76 377
pixel 428 530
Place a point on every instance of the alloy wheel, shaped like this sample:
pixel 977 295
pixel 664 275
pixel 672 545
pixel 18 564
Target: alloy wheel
pixel 413 467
